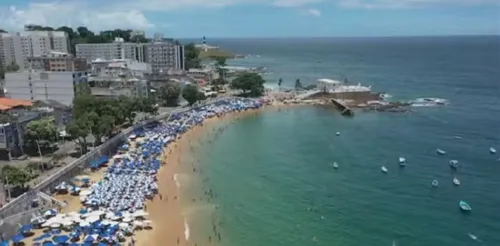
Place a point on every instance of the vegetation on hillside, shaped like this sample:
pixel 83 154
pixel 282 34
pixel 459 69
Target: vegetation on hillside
pixel 215 53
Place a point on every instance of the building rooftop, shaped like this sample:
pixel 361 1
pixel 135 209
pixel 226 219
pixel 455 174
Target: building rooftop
pixel 8 103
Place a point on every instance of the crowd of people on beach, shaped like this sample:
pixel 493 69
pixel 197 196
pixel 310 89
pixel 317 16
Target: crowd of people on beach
pixel 115 206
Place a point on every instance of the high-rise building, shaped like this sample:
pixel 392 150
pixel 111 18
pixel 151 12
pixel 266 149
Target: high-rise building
pixel 164 56
pixel 118 49
pixel 15 48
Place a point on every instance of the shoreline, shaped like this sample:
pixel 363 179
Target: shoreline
pixel 171 215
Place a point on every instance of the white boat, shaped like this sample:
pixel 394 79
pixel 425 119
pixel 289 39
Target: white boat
pixel 402 161
pixel 384 169
pixel 454 164
pixel 473 237
pixel 338 133
pixel 456 181
pixel 441 152
pixel 335 165
pixel 435 183
pixel 493 150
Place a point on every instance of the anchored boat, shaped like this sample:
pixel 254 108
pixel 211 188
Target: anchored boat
pixel 441 152
pixel 464 206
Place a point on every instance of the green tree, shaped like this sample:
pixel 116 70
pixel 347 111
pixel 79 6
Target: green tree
pixel 2 72
pixel 78 129
pixel 191 53
pixel 170 93
pixel 14 176
pixel 252 84
pixel 298 85
pixel 43 129
pixel 2 31
pixel 190 93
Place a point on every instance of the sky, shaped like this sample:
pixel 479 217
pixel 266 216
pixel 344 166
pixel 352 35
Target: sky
pixel 262 18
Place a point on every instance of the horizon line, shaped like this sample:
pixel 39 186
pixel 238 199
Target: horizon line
pixel 347 37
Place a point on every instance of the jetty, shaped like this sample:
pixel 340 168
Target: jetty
pixel 342 107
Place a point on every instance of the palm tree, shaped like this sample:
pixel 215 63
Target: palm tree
pixel 280 81
pixel 298 85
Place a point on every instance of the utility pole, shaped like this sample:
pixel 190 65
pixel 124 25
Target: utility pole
pixel 40 152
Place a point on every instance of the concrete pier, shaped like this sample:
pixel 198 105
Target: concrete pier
pixel 344 109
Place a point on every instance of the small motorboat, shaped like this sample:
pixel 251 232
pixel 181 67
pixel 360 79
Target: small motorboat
pixel 435 183
pixel 493 151
pixel 473 237
pixel 456 181
pixel 335 165
pixel 457 137
pixel 441 152
pixel 384 169
pixel 402 161
pixel 454 164
pixel 464 206
pixel 338 133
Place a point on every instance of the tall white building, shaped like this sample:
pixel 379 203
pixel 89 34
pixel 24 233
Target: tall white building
pixel 58 86
pixel 164 56
pixel 15 48
pixel 118 49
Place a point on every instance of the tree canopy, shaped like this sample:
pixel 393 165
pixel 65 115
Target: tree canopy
pixel 169 93
pixel 101 117
pixel 191 94
pixel 298 85
pixel 14 176
pixel 191 54
pixel 43 129
pixel 252 84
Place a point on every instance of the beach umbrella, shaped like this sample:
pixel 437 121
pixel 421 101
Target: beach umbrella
pixel 90 238
pixel 84 224
pixel 60 239
pixel 55 225
pixel 48 244
pixel 92 219
pixel 50 212
pixel 4 243
pixel 25 228
pixel 17 238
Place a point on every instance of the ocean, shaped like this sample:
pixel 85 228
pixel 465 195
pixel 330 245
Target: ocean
pixel 272 173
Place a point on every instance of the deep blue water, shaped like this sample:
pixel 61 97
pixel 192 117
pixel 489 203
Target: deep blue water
pixel 273 173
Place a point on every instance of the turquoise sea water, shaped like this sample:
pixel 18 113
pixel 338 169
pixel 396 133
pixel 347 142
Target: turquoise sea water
pixel 272 173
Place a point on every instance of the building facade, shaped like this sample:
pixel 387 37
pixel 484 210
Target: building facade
pixel 58 86
pixel 118 49
pixel 164 56
pixel 15 48
pixel 57 62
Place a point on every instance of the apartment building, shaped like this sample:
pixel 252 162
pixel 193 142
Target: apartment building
pixel 164 56
pixel 118 49
pixel 15 48
pixel 57 62
pixel 44 85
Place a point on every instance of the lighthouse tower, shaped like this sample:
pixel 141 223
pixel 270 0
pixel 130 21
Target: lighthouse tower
pixel 205 44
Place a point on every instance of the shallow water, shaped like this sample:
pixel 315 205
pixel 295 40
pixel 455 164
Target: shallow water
pixel 273 172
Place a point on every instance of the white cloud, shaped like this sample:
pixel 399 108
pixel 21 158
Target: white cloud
pixel 107 14
pixel 314 12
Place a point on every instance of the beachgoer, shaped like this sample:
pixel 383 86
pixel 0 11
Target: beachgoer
pixel 178 240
